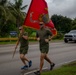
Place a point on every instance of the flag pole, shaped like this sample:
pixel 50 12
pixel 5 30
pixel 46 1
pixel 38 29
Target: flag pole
pixel 14 53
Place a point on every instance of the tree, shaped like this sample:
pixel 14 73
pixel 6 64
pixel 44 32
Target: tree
pixel 16 9
pixel 10 16
pixel 62 24
pixel 74 24
pixel 5 16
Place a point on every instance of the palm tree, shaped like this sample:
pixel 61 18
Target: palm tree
pixel 5 16
pixel 10 13
pixel 2 9
pixel 5 12
pixel 17 11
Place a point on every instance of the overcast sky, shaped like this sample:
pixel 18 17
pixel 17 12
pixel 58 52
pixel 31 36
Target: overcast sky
pixel 60 7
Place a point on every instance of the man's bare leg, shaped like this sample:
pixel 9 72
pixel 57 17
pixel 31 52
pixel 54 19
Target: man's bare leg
pixel 47 59
pixel 23 58
pixel 42 61
pixel 51 63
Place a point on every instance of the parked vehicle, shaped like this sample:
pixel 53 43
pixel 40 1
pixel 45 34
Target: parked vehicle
pixel 71 36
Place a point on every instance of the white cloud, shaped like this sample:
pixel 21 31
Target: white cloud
pixel 63 7
pixel 27 2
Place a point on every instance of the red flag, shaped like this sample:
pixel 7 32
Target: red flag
pixel 50 24
pixel 38 11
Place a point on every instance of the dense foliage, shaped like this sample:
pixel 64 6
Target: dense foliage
pixel 11 16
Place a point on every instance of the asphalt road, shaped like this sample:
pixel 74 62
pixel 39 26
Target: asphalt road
pixel 59 53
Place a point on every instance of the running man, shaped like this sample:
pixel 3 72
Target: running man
pixel 23 40
pixel 43 38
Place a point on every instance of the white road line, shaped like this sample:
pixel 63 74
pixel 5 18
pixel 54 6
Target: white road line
pixel 34 71
pixel 47 67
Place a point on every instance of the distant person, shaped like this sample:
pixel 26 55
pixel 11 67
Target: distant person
pixel 23 40
pixel 43 38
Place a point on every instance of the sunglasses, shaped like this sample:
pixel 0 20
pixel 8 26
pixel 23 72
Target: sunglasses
pixel 20 29
pixel 41 24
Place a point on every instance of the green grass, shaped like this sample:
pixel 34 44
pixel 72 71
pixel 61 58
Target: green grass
pixel 14 42
pixel 69 69
pixel 3 43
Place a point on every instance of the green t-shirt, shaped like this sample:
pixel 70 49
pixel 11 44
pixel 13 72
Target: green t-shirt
pixel 23 42
pixel 43 34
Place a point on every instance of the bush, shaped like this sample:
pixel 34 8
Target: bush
pixel 59 36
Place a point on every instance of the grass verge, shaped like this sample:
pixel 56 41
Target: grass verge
pixel 4 43
pixel 14 42
pixel 68 69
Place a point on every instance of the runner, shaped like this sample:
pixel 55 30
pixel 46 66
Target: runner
pixel 23 40
pixel 43 38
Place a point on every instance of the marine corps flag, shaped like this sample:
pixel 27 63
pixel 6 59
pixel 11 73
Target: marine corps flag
pixel 38 11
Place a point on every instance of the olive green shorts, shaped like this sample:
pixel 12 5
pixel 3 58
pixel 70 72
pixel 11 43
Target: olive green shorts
pixel 44 51
pixel 44 48
pixel 23 50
